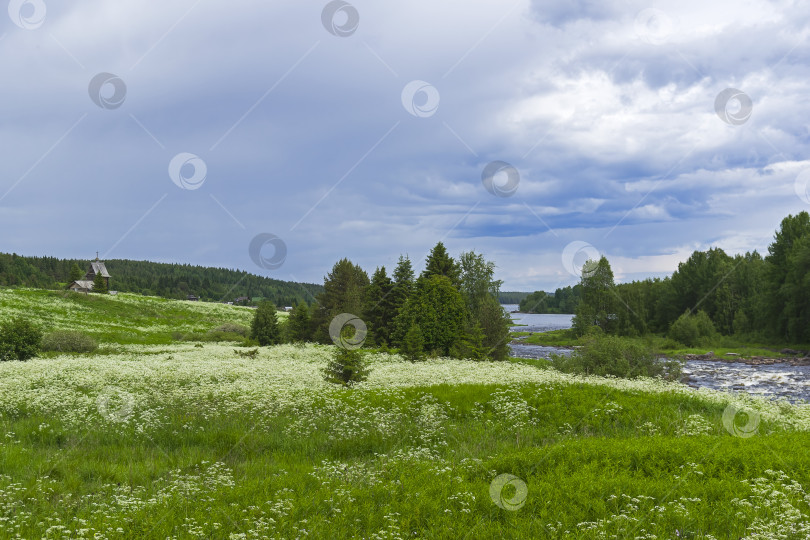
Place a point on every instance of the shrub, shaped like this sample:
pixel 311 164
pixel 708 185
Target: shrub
pixel 346 367
pixel 690 329
pixel 67 341
pixel 233 328
pixel 611 355
pixel 252 353
pixel 19 339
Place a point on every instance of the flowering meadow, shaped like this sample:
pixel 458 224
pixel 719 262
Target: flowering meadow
pixel 199 440
pixel 123 318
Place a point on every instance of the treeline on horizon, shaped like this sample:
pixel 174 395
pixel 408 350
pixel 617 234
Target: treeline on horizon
pixel 450 309
pixel 710 293
pixel 563 300
pixel 174 281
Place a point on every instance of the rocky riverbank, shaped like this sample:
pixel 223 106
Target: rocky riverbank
pixel 789 357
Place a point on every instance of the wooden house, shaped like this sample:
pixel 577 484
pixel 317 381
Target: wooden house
pixel 86 285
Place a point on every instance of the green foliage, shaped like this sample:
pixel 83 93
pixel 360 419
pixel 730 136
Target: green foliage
pixel 233 328
pixel 68 341
pixel 344 290
pixel 690 329
pixel 378 309
pixel 495 324
pixel 477 280
pixel 75 273
pixel 413 346
pixel 511 297
pixel 174 281
pixel 440 263
pixel 564 300
pixel 265 328
pixel 598 306
pixel 137 319
pixel 250 353
pixel 299 324
pixel 602 354
pixel 100 284
pixel 439 310
pixel 471 345
pixel 346 367
pixel 19 339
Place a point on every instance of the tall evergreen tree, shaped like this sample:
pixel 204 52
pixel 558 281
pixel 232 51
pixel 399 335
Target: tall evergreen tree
pixel 344 292
pixel 378 310
pixel 265 328
pixel 299 324
pixel 438 309
pixel 402 287
pixel 100 284
pixel 439 263
pixel 75 273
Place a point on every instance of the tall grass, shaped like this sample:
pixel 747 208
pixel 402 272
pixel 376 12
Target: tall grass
pixel 178 441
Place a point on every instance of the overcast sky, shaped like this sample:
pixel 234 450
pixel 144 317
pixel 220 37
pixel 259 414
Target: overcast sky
pixel 180 131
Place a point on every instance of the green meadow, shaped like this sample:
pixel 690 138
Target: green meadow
pixel 158 435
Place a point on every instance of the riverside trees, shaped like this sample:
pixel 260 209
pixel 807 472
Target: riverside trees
pixel 451 309
pixel 745 295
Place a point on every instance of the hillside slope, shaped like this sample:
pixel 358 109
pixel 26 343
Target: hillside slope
pixel 121 319
pixel 158 279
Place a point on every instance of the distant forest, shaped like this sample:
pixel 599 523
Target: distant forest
pixel 563 300
pixel 508 297
pixel 157 279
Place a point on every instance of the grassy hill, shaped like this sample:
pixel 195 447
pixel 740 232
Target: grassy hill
pixel 157 279
pixel 162 439
pixel 123 318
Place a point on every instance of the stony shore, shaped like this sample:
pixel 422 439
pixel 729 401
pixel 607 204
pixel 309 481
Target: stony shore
pixel 795 358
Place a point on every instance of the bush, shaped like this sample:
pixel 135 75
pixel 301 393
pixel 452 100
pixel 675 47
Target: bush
pixel 691 329
pixel 232 328
pixel 67 341
pixel 610 355
pixel 346 368
pixel 19 339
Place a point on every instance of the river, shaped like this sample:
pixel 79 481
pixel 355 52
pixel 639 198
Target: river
pixel 774 381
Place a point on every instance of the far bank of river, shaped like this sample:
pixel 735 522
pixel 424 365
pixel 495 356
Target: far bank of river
pixel 774 381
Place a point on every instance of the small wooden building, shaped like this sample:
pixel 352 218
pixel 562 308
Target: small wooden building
pixel 81 285
pixel 86 285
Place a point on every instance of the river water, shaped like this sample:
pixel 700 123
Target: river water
pixel 774 381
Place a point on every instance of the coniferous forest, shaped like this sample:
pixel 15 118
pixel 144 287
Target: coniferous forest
pixel 176 281
pixel 710 293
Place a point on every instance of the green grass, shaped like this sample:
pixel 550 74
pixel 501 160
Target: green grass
pixel 121 319
pixel 193 440
pixel 661 345
pixel 578 449
pixel 553 338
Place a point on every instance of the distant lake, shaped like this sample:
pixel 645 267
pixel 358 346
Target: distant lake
pixel 537 322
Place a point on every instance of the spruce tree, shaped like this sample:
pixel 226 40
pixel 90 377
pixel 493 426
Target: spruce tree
pixel 378 310
pixel 439 263
pixel 264 327
pixel 75 274
pixel 400 292
pixel 99 284
pixel 299 324
pixel 346 367
pixel 439 310
pixel 344 292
